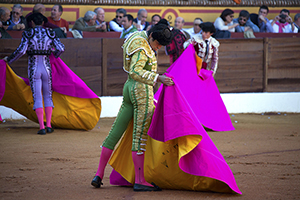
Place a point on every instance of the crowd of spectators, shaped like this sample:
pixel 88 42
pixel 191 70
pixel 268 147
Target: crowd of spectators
pixel 249 23
pixel 95 21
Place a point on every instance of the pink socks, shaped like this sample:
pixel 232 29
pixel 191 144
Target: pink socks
pixel 48 111
pixel 104 158
pixel 40 115
pixel 138 161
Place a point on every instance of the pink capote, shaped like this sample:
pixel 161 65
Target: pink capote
pixel 2 81
pixel 2 78
pixel 181 110
pixel 64 81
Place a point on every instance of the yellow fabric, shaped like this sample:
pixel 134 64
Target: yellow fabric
pixel 161 164
pixel 198 63
pixel 69 112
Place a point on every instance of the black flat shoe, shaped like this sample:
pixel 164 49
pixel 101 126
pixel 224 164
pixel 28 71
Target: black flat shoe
pixel 144 188
pixel 42 132
pixel 49 129
pixel 96 182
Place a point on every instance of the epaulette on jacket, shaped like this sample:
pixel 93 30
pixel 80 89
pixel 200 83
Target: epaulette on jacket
pixel 137 42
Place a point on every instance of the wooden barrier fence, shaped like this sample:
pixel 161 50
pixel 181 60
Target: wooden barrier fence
pixel 245 65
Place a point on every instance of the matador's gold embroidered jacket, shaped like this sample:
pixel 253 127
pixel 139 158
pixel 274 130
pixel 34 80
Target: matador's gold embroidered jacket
pixel 139 58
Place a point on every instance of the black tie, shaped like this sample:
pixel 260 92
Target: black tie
pixel 206 51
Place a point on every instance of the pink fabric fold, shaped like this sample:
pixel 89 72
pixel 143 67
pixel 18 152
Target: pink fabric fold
pixel 116 179
pixel 66 82
pixel 200 92
pixel 2 78
pixel 2 81
pixel 173 118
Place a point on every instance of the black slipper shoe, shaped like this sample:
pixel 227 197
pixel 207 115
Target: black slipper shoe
pixel 49 129
pixel 144 188
pixel 42 132
pixel 96 182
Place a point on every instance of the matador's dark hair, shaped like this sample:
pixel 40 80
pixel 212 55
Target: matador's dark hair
pixel 37 18
pixel 207 27
pixel 161 33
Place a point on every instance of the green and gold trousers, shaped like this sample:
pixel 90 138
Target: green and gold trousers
pixel 137 105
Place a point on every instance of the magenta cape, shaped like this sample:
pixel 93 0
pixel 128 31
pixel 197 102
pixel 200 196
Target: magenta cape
pixel 180 112
pixel 76 105
pixel 183 109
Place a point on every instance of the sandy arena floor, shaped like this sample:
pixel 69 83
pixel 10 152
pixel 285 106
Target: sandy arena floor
pixel 263 153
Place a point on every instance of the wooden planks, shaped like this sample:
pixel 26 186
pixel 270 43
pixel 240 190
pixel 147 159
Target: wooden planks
pixel 240 65
pixel 8 46
pixel 84 58
pixel 114 76
pixel 283 72
pixel 245 65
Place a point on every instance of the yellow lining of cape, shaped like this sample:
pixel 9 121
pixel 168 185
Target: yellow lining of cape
pixel 162 164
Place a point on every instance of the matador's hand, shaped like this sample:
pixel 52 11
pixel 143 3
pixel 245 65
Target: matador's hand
pixel 165 80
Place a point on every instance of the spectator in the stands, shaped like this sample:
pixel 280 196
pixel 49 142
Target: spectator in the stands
pixel 283 23
pixel 224 24
pixel 87 23
pixel 56 19
pixel 154 20
pixel 116 23
pixel 261 19
pixel 141 21
pixel 195 30
pixel 100 19
pixel 40 8
pixel 4 22
pixel 175 48
pixel 17 21
pixel 297 21
pixel 225 21
pixel 245 24
pixel 127 23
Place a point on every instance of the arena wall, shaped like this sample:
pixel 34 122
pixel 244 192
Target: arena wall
pixel 189 13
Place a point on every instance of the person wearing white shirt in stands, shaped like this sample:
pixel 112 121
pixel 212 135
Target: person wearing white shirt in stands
pixel 140 22
pixel 283 23
pixel 116 23
pixel 127 22
pixel 195 30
